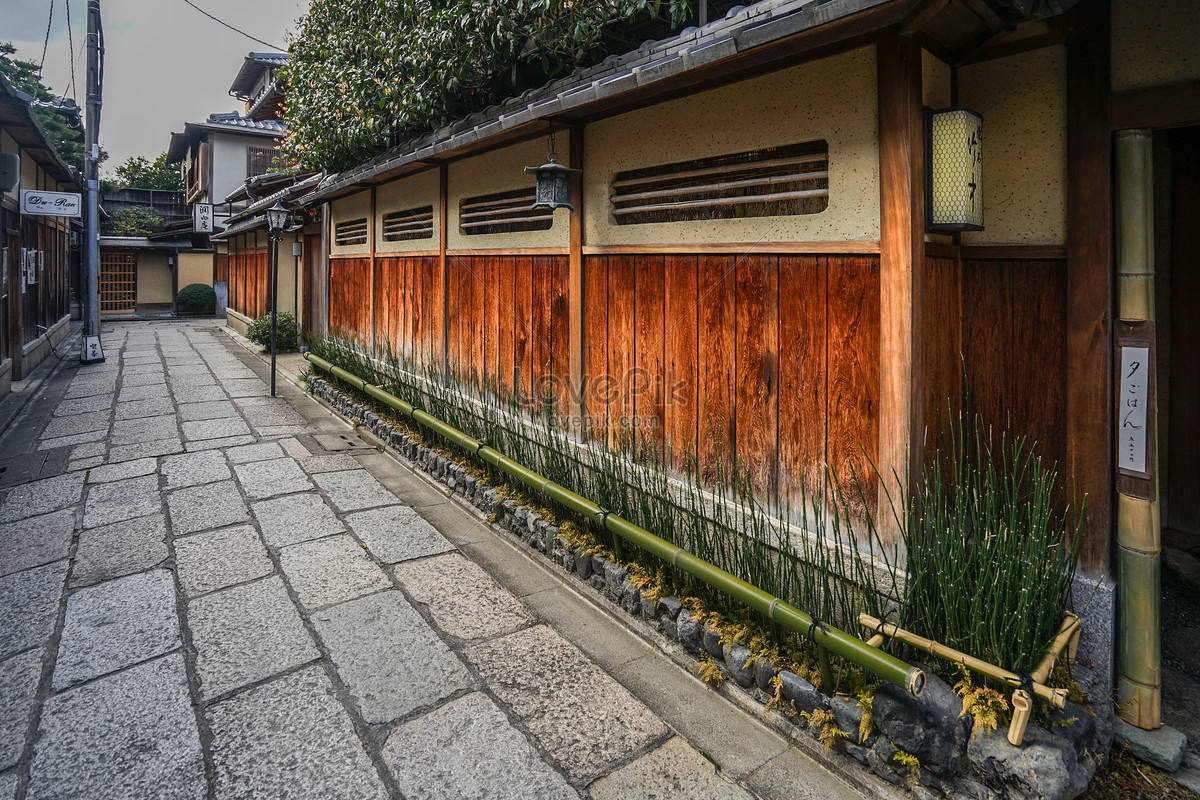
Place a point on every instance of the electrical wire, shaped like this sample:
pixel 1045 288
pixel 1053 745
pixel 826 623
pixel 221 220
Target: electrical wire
pixel 45 47
pixel 235 30
pixel 71 52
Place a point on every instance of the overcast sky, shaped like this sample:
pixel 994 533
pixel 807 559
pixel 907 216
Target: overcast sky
pixel 165 62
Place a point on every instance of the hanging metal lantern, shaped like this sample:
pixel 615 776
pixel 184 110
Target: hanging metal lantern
pixel 553 181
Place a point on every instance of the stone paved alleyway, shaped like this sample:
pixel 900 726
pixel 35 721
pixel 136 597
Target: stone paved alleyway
pixel 209 593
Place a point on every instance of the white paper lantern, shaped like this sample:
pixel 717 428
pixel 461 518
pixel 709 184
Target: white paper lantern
pixel 954 170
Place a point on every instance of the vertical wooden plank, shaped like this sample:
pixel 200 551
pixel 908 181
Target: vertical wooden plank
pixel 988 340
pixel 802 376
pixel 942 339
pixel 490 297
pixel 452 317
pixel 507 324
pixel 680 348
pixel 1038 355
pixel 539 360
pixel 757 369
pixel 596 382
pixel 466 306
pixel 716 362
pixel 573 374
pixel 649 348
pixel 854 413
pixel 416 312
pixel 522 346
pixel 443 280
pixel 478 321
pixel 621 346
pixel 564 336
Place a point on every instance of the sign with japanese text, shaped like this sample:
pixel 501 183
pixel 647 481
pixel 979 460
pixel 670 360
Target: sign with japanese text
pixel 51 204
pixel 202 218
pixel 1132 417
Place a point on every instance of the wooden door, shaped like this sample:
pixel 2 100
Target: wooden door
pixel 118 282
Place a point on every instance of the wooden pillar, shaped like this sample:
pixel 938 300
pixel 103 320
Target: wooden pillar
pixel 371 276
pixel 1089 393
pixel 901 256
pixel 443 351
pixel 575 296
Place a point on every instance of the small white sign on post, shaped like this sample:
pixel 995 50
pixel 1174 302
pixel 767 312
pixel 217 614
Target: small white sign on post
pixel 1131 416
pixel 202 218
pixel 51 204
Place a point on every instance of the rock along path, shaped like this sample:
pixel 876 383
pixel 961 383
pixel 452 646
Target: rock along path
pixel 206 592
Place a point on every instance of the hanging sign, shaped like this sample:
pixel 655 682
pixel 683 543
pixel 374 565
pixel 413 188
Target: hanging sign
pixel 51 204
pixel 1136 411
pixel 202 218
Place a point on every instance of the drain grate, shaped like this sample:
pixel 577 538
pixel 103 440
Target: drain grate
pixel 341 442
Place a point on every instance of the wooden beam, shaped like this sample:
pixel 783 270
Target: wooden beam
pixel 736 248
pixel 920 14
pixel 1089 398
pixel 901 255
pixel 575 298
pixel 1160 107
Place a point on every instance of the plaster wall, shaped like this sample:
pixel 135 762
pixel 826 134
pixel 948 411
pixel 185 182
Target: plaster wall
pixel 1154 43
pixel 500 171
pixel 195 268
pixel 153 278
pixel 29 174
pixel 229 162
pixel 1023 102
pixel 833 99
pixel 405 194
pixel 355 206
pixel 935 81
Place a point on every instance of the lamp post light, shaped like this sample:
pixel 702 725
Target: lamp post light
pixel 276 221
pixel 953 170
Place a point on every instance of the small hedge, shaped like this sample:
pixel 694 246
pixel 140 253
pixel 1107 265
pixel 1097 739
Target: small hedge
pixel 286 334
pixel 196 298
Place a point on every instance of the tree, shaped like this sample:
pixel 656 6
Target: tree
pixel 363 73
pixel 24 76
pixel 133 221
pixel 138 172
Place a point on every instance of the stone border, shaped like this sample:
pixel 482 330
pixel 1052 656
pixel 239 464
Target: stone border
pixel 954 761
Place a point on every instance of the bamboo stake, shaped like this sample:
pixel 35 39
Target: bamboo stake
pixel 1022 703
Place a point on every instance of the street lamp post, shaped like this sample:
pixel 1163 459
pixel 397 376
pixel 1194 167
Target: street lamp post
pixel 276 221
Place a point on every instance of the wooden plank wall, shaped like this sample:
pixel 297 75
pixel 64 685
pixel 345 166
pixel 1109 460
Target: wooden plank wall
pixel 249 281
pixel 350 297
pixel 406 291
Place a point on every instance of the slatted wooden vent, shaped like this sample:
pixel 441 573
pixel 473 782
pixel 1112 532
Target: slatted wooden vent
pixel 774 181
pixel 416 223
pixel 504 212
pixel 350 232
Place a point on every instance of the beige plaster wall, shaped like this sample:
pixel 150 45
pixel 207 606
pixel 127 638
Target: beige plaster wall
pixel 832 99
pixel 195 268
pixel 935 81
pixel 408 193
pixel 502 170
pixel 153 278
pixel 1023 102
pixel 354 206
pixel 1154 42
pixel 289 267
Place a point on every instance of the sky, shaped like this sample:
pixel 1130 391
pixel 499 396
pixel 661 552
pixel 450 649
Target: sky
pixel 165 63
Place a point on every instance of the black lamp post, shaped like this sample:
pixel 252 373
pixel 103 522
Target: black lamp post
pixel 276 221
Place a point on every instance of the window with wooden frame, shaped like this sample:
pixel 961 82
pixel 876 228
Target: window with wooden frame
pixel 350 232
pixel 769 182
pixel 260 160
pixel 503 212
pixel 401 226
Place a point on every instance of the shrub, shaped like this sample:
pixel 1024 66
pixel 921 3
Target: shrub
pixel 286 334
pixel 196 298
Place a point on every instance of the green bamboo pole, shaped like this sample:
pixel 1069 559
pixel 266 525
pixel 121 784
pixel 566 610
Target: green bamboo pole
pixel 883 664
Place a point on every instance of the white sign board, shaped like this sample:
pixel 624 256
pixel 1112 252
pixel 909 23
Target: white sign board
pixel 51 204
pixel 1131 419
pixel 202 218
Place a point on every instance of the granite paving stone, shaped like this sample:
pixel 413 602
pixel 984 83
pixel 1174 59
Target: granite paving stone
pixel 218 444
pixel 397 533
pixel 673 770
pixel 118 500
pixel 19 677
pixel 216 559
pixel 79 389
pixel 336 462
pixel 122 470
pixel 210 505
pixel 462 599
pixel 354 489
pixel 191 469
pixel 190 412
pixel 263 479
pixel 84 405
pixel 41 496
pixel 188 380
pixel 139 431
pixel 290 739
pixel 71 441
pixel 129 736
pixel 268 416
pixel 89 449
pixel 198 394
pixel 214 428
pixel 116 624
pixel 76 423
pixel 288 520
pixel 131 393
pixel 468 749
pixel 8 786
pixel 388 656
pixel 121 548
pixel 332 570
pixel 159 447
pixel 245 387
pixel 29 606
pixel 582 717
pixel 86 463
pixel 143 379
pixel 139 409
pixel 236 646
pixel 260 451
pixel 35 541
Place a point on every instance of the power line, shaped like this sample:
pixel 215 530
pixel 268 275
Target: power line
pixel 227 25
pixel 45 46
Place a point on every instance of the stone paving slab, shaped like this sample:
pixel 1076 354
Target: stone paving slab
pixel 116 624
pixel 216 559
pixel 263 479
pixel 332 570
pixel 462 599
pixel 129 736
pixel 211 505
pixel 192 469
pixel 140 409
pixel 71 441
pixel 331 463
pixel 233 645
pixel 298 518
pixel 84 405
pixel 131 393
pixel 397 533
pixel 140 431
pixel 118 500
pixel 191 412
pixel 143 379
pixel 29 606
pixel 290 739
pixel 160 447
pixel 261 451
pixel 468 749
pixel 19 677
pixel 122 470
pixel 220 443
pixel 214 428
pixel 35 541
pixel 582 717
pixel 673 770
pixel 76 423
pixel 41 497
pixel 8 786
pixel 199 394
pixel 391 660
pixel 122 548
pixel 354 490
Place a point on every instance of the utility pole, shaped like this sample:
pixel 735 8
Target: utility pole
pixel 92 350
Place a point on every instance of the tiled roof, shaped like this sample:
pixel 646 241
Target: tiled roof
pixel 18 119
pixel 232 122
pixel 252 67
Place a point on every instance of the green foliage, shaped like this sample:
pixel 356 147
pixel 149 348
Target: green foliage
pixel 987 707
pixel 196 297
pixel 138 172
pixel 362 72
pixel 24 76
pixel 133 221
pixel 286 334
pixel 908 760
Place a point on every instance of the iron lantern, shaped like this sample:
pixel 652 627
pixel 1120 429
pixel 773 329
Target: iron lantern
pixel 277 217
pixel 553 184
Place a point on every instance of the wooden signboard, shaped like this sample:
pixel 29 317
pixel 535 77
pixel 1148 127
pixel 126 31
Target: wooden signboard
pixel 1137 415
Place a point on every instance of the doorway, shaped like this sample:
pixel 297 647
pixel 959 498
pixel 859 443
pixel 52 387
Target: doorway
pixel 118 283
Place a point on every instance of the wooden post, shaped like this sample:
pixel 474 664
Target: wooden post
pixel 371 277
pixel 575 387
pixel 901 256
pixel 443 226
